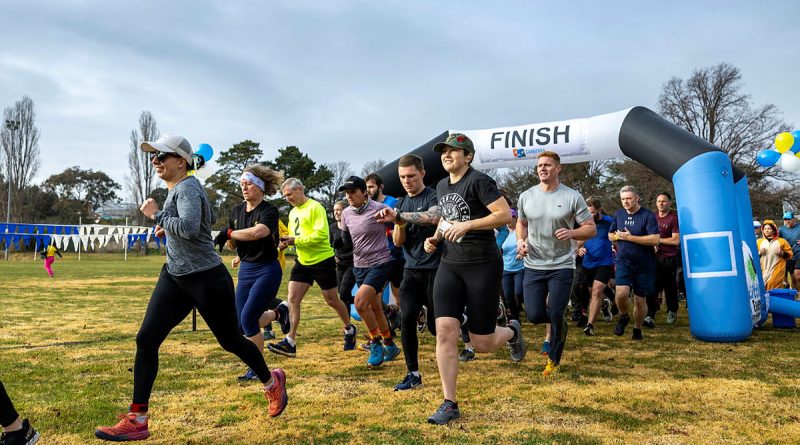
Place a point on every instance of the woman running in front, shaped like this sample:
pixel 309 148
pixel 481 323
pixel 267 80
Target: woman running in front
pixel 471 267
pixel 193 277
pixel 50 258
pixel 253 232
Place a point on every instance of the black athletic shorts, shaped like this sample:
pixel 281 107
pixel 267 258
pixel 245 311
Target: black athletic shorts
pixel 476 286
pixel 324 273
pixel 602 274
pixel 791 265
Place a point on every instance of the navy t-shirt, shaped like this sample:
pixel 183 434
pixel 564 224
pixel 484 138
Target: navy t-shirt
pixel 598 248
pixel 467 200
pixel 414 246
pixel 791 236
pixel 261 250
pixel 634 256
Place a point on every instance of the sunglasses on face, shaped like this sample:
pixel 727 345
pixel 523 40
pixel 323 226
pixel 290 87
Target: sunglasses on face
pixel 161 156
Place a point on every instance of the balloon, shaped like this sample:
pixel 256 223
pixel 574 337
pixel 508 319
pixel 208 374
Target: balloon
pixel 796 146
pixel 784 142
pixel 790 162
pixel 205 151
pixel 768 158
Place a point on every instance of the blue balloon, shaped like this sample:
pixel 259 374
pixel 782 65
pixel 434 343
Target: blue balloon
pixel 795 148
pixel 205 151
pixel 768 158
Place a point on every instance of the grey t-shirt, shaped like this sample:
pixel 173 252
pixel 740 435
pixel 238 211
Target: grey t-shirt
pixel 546 212
pixel 187 218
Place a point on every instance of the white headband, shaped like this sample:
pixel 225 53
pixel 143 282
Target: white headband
pixel 255 180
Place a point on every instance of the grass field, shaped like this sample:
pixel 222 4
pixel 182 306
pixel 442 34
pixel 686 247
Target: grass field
pixel 67 349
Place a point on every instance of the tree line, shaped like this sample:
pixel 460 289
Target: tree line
pixel 709 103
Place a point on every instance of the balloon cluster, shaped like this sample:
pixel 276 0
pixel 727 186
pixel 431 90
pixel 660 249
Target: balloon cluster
pixel 786 153
pixel 204 153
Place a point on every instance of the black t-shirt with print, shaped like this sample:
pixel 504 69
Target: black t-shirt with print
pixel 467 200
pixel 414 246
pixel 262 250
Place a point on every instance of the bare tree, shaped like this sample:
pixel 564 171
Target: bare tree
pixel 711 105
pixel 329 192
pixel 372 167
pixel 142 180
pixel 19 137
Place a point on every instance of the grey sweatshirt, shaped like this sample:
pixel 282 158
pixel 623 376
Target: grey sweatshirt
pixel 187 219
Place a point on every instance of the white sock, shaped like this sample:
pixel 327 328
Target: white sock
pixel 349 330
pixel 290 340
pixel 415 373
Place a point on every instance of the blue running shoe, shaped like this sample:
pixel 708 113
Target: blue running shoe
pixel 249 375
pixel 545 348
pixel 376 354
pixel 411 381
pixel 447 412
pixel 390 352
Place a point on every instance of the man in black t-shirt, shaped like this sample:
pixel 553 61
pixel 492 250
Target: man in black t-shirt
pixel 419 211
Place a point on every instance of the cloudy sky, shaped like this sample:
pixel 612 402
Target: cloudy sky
pixel 361 80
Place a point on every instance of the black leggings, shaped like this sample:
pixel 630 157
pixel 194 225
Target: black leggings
pixel 416 290
pixel 7 412
pixel 345 280
pixel 211 292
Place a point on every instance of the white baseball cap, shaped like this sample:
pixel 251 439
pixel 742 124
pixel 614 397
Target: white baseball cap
pixel 170 143
pixel 756 224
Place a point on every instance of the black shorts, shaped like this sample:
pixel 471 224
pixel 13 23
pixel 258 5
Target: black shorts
pixel 396 271
pixel 603 274
pixel 476 286
pixel 324 273
pixel 791 265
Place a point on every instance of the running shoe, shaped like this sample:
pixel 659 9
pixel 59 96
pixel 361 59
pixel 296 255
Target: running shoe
pixel 517 347
pixel 619 328
pixel 249 375
pixel 551 369
pixel 605 309
pixel 268 334
pixel 350 339
pixel 671 317
pixel 466 355
pixel 283 348
pixel 25 436
pixel 637 334
pixel 390 352
pixel 276 395
pixel 545 347
pixel 393 317
pixel 649 322
pixel 502 316
pixel 283 317
pixel 410 381
pixel 447 411
pixel 422 320
pixel 376 354
pixel 588 330
pixel 128 428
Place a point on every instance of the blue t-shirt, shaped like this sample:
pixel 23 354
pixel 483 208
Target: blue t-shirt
pixel 500 235
pixel 598 248
pixel 509 249
pixel 634 256
pixel 791 236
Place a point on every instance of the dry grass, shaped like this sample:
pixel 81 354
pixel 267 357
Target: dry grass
pixel 67 346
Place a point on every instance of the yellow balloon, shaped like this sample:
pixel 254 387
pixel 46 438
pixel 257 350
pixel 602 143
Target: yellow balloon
pixel 784 142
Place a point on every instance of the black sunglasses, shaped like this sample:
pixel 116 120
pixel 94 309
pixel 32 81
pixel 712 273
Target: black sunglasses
pixel 161 156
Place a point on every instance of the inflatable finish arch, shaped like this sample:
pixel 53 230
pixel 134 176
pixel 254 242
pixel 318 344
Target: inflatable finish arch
pixel 724 287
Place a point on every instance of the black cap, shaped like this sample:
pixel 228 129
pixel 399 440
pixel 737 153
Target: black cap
pixel 352 183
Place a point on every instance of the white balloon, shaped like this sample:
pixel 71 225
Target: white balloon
pixel 790 162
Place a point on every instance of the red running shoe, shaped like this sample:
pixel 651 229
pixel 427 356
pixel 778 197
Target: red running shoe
pixel 278 399
pixel 127 429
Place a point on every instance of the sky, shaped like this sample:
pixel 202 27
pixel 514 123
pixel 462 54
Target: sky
pixel 362 80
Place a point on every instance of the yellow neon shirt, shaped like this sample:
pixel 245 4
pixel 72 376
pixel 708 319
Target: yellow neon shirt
pixel 308 224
